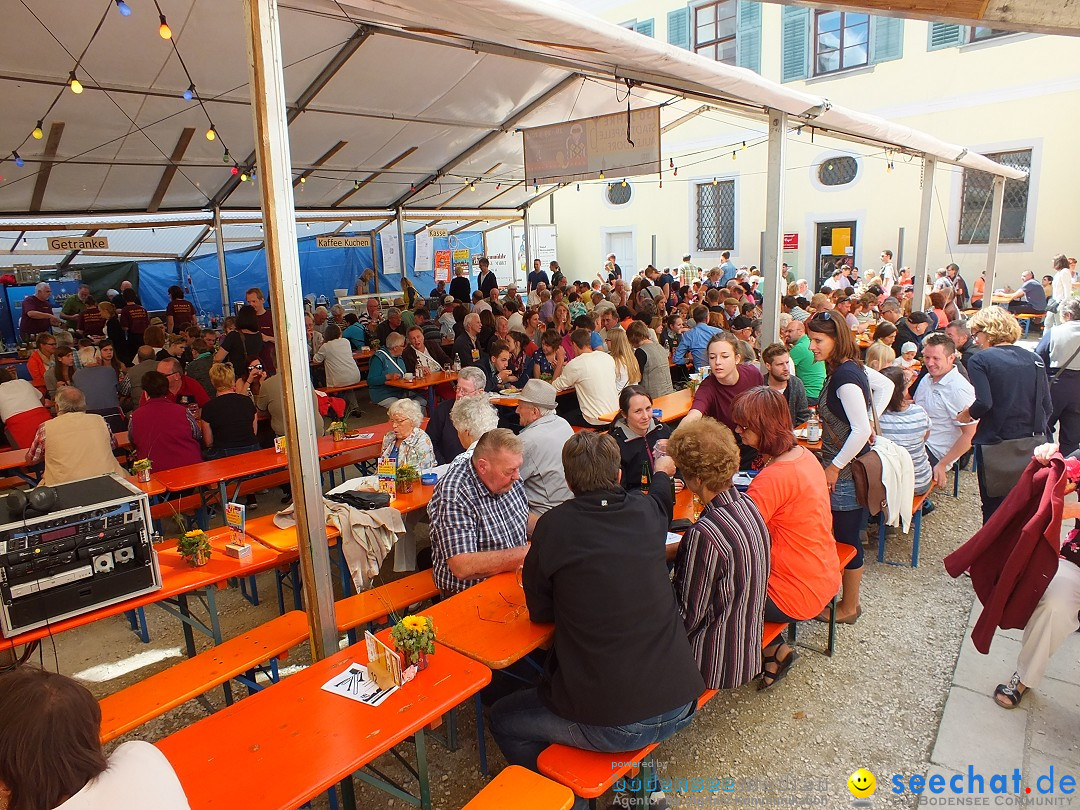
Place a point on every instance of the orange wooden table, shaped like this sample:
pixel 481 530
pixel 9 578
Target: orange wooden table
pixel 490 623
pixel 429 382
pixel 179 581
pixel 281 747
pixel 675 406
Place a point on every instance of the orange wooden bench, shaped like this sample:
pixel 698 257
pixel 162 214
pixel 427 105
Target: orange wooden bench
pixel 590 774
pixel 916 528
pixel 336 389
pixel 522 789
pixel 378 603
pixel 153 696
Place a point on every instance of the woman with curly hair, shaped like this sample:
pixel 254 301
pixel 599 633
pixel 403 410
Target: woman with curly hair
pixel 722 566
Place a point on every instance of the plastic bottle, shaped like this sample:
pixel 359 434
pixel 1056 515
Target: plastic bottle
pixel 813 427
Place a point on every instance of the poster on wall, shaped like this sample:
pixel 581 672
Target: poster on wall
pixel 424 253
pixel 500 251
pixel 443 262
pixel 461 259
pixel 543 239
pixel 390 248
pixel 589 148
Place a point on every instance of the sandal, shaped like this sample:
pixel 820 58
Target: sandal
pixel 769 679
pixel 1010 693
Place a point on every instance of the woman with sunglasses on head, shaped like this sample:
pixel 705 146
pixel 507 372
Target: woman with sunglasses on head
pixel 843 409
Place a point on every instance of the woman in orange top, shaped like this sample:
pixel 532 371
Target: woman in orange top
pixel 793 497
pixel 980 287
pixel 41 360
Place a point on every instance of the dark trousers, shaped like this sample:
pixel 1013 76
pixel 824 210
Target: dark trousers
pixel 1065 413
pixel 989 505
pixel 1024 308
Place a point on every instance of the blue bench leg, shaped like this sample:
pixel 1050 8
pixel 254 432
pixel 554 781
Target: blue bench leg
pixel 915 542
pixel 249 589
pixel 137 619
pixel 881 540
pixel 956 480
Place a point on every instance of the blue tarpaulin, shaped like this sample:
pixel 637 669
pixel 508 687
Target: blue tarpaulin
pixel 322 270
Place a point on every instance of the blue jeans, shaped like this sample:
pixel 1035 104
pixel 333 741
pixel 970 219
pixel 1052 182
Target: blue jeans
pixel 523 727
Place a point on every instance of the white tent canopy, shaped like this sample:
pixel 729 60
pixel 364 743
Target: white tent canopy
pixel 409 100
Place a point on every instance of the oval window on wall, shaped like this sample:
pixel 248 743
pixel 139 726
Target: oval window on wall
pixel 619 193
pixel 837 171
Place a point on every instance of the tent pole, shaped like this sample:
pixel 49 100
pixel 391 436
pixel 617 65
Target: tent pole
pixel 528 249
pixel 286 299
pixel 223 277
pixel 774 221
pixel 401 246
pixel 922 247
pixel 992 244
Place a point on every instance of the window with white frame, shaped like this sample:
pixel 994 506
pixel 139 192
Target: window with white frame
pixel 977 196
pixel 715 202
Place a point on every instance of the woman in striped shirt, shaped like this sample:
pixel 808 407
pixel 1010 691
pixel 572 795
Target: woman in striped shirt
pixel 722 567
pixel 907 424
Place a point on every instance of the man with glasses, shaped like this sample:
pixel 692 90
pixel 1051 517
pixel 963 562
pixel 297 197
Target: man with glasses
pixel 444 437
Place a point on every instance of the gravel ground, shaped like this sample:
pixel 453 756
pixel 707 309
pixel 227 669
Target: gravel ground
pixel 875 704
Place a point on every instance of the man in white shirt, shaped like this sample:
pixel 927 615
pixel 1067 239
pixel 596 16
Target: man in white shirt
pixel 887 271
pixel 943 394
pixel 446 320
pixel 592 375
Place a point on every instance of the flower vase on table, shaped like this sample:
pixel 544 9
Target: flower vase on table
pixel 405 477
pixel 194 546
pixel 414 639
pixel 337 429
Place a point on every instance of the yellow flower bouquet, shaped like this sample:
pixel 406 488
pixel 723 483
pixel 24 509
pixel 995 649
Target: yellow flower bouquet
pixel 414 638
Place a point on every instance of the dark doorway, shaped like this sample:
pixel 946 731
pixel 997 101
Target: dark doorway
pixel 835 244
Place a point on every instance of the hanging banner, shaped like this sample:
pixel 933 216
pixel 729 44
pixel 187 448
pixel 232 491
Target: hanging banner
pixel 500 252
pixel 443 264
pixel 79 243
pixel 425 248
pixel 390 248
pixel 586 148
pixel 543 246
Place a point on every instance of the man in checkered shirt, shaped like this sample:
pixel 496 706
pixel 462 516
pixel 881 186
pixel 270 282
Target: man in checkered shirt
pixel 479 513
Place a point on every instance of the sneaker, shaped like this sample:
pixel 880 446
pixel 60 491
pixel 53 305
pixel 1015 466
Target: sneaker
pixel 928 507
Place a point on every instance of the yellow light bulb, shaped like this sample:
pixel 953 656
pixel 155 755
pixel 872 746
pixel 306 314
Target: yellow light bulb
pixel 37 133
pixel 601 174
pixel 164 30
pixel 244 178
pixel 75 84
pixel 211 134
pixel 304 180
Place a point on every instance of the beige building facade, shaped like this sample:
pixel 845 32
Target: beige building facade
pixel 1014 96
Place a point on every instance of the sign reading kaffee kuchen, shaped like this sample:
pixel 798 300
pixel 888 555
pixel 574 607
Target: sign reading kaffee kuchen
pixel 343 241
pixel 78 243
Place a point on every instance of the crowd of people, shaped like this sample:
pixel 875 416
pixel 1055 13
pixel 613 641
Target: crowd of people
pixel 584 513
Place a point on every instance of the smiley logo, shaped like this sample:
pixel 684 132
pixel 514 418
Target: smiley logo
pixel 862 784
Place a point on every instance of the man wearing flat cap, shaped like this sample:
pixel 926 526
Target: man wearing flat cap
pixel 543 435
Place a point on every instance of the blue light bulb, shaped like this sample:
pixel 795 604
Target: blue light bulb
pixel 18 160
pixel 189 94
pixel 123 8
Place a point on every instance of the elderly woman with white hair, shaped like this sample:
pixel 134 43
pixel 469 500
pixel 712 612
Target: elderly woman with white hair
pixel 472 417
pixel 387 364
pixel 406 442
pixel 100 385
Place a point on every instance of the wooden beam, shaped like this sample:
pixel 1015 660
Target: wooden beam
pixel 509 187
pixel 682 119
pixel 466 226
pixel 195 245
pixel 170 171
pixel 55 133
pixel 71 256
pixel 333 150
pixel 373 175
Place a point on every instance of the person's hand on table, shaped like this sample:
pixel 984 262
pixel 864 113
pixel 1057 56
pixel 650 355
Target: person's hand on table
pixel 393 376
pixel 832 473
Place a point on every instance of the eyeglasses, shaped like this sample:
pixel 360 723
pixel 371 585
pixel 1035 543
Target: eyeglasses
pixel 399 420
pixel 515 611
pixel 825 315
